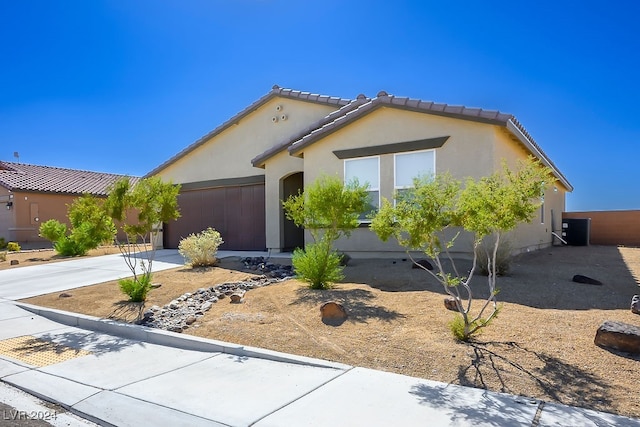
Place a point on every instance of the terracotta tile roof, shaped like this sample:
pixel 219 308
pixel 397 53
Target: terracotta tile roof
pixel 48 179
pixel 276 91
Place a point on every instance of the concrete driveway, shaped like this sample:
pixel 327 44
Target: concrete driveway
pixel 25 282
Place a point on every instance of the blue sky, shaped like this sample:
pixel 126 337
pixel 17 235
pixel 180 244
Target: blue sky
pixel 122 85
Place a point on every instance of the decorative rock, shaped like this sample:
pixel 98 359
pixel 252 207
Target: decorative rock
pixel 619 336
pixel 450 304
pixel 333 313
pixel 176 315
pixel 65 295
pixel 635 304
pixel 155 285
pixel 578 278
pixel 422 263
pixel 15 262
pixel 237 297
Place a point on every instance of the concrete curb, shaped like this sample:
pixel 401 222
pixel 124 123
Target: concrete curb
pixel 171 339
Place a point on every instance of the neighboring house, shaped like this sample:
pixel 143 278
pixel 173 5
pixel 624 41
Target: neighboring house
pixel 235 177
pixel 31 194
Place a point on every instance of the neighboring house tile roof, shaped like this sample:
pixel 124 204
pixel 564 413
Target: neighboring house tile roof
pixel 276 91
pixel 47 179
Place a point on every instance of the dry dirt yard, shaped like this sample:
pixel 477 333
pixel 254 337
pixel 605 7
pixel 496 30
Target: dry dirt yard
pixel 540 346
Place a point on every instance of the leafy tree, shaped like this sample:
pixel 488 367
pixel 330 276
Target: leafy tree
pixel 139 210
pixel 328 209
pixel 90 227
pixel 436 208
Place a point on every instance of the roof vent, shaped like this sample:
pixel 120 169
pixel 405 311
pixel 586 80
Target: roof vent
pixel 275 87
pixel 382 93
pixel 361 96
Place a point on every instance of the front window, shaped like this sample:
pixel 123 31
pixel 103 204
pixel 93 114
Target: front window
pixel 365 170
pixel 411 165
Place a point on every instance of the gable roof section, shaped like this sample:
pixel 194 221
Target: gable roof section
pixel 48 179
pixel 459 112
pixel 276 91
pixel 259 160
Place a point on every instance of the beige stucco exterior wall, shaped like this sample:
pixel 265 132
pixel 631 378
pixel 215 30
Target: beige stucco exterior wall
pixel 537 233
pixel 468 152
pixel 229 154
pixel 472 150
pixel 278 167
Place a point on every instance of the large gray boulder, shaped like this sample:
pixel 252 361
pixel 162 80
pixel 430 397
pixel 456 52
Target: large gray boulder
pixel 619 336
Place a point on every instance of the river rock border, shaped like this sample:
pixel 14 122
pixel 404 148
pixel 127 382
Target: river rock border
pixel 183 311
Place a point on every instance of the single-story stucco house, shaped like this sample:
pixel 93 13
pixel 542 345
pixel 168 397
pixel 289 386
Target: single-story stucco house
pixel 235 177
pixel 32 194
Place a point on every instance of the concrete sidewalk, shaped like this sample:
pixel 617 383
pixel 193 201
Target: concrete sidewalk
pixel 127 375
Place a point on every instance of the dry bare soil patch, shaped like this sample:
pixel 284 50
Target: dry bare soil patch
pixel 540 346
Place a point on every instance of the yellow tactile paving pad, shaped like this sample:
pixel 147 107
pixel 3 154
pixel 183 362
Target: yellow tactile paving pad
pixel 38 352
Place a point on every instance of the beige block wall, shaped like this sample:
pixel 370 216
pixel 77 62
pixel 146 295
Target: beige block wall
pixel 32 209
pixel 229 154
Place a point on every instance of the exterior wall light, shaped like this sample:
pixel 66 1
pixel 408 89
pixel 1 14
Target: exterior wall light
pixel 9 204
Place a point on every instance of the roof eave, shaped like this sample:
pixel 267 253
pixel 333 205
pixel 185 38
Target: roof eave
pixel 275 92
pixel 536 151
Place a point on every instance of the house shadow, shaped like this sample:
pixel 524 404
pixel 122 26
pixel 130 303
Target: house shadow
pixel 357 303
pixel 539 279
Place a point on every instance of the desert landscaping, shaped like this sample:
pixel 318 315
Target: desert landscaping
pixel 541 346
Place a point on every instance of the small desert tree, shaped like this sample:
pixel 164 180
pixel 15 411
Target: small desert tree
pixel 328 209
pixel 139 210
pixel 491 206
pixel 90 227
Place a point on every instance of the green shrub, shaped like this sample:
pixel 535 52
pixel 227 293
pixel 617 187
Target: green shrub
pixel 503 258
pixel 53 230
pixel 69 247
pixel 13 247
pixel 3 243
pixel 3 255
pixel 457 328
pixel 136 288
pixel 200 249
pixel 317 265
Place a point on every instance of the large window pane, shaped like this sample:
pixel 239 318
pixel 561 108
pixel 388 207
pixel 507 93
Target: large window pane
pixel 366 171
pixel 411 165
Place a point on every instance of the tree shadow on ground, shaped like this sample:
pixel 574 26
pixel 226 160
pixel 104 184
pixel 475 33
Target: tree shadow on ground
pixel 467 408
pixel 92 342
pixel 540 279
pixel 495 362
pixel 355 302
pixel 127 311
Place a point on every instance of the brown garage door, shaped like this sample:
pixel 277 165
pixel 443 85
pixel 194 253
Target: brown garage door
pixel 236 212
